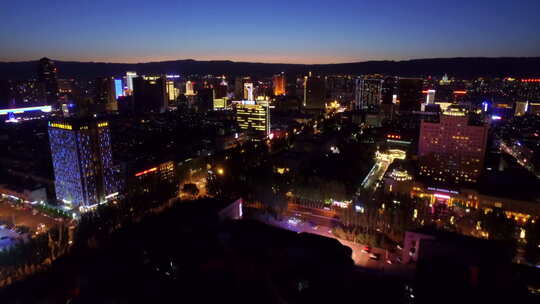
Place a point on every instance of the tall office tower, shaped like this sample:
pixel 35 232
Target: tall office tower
pixel 279 84
pixel 82 161
pixel 430 97
pixel 204 100
pixel 248 91
pixel 430 100
pixel 105 94
pixel 129 82
pixel 239 86
pixel 452 150
pixel 189 88
pixel 389 90
pixel 150 94
pixel 118 88
pixel 172 91
pixel 220 96
pixel 314 93
pixel 48 78
pixel 253 118
pixel 368 93
pixel 220 91
pixel 410 94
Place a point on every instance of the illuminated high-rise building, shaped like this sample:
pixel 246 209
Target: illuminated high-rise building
pixel 430 97
pixel 253 117
pixel 239 86
pixel 368 93
pixel 48 78
pixel 150 94
pixel 220 100
pixel 129 82
pixel 430 100
pixel 279 84
pixel 314 93
pixel 189 88
pixel 118 88
pixel 172 91
pixel 248 91
pixel 82 161
pixel 452 150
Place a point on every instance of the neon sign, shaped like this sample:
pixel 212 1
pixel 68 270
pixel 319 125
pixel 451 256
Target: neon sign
pixel 146 171
pixel 27 109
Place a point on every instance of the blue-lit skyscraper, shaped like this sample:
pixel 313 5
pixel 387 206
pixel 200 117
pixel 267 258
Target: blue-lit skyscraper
pixel 118 88
pixel 82 161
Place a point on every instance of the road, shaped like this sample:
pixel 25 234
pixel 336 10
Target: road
pixel 376 174
pixel 300 222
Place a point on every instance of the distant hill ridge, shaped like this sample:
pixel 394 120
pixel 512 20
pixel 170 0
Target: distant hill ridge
pixel 465 67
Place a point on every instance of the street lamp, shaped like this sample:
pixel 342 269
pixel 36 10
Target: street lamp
pixel 220 171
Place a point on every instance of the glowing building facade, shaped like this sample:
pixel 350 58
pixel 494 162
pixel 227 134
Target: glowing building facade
pixel 452 150
pixel 118 88
pixel 172 91
pixel 248 91
pixel 189 88
pixel 278 82
pixel 253 117
pixel 129 81
pixel 368 93
pixel 82 161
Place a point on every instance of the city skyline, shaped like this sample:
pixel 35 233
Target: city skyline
pixel 270 152
pixel 280 33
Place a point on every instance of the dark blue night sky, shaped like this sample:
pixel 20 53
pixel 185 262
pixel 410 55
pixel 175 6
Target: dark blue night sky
pixel 293 31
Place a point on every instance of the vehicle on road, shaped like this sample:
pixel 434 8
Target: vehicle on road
pixel 374 256
pixel 366 249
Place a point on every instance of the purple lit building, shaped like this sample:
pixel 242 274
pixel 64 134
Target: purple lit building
pixel 82 161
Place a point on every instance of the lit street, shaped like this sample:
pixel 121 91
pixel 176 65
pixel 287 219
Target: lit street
pixel 304 223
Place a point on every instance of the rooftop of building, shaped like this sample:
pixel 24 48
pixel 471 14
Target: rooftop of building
pixel 504 177
pixel 461 241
